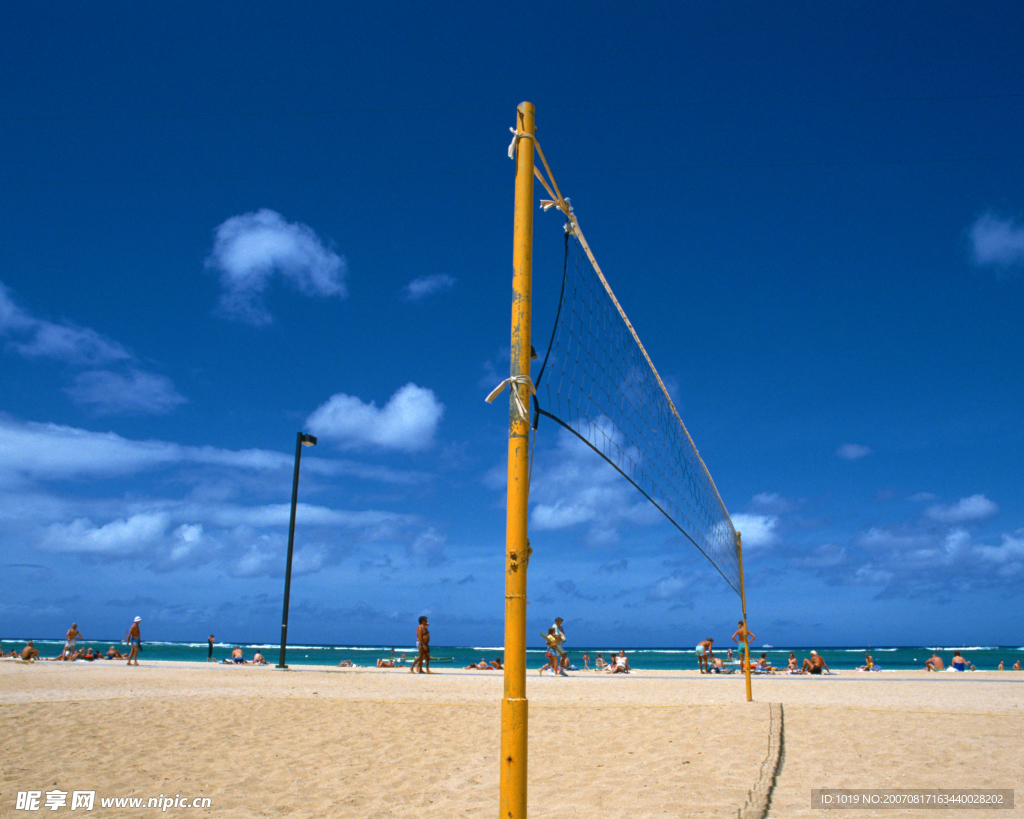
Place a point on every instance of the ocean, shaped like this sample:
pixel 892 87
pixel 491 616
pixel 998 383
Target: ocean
pixel 838 658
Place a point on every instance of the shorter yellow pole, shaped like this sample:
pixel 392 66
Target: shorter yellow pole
pixel 743 600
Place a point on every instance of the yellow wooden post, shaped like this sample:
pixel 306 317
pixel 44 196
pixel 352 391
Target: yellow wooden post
pixel 743 599
pixel 514 706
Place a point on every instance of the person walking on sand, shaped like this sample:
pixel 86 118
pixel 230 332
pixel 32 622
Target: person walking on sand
pixel 703 654
pixel 559 639
pixel 422 647
pixel 69 642
pixel 209 653
pixel 134 640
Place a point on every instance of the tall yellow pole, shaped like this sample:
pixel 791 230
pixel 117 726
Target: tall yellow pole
pixel 743 599
pixel 514 706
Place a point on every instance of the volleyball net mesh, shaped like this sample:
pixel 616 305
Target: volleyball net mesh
pixel 598 382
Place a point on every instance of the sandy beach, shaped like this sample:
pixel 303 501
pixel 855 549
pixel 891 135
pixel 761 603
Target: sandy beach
pixel 318 741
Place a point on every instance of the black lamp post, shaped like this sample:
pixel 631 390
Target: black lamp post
pixel 301 441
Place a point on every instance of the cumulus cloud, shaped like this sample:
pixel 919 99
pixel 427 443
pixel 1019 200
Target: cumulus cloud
pixel 137 392
pixel 119 537
pixel 757 530
pixel 578 487
pixel 1009 553
pixel 407 422
pixel 428 546
pixel 997 241
pixel 67 342
pixel 976 507
pixel 428 285
pixel 250 248
pixel 852 452
pixel 672 587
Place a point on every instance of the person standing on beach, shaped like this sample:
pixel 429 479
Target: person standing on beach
pixel 422 647
pixel 703 653
pixel 209 653
pixel 134 640
pixel 743 635
pixel 69 642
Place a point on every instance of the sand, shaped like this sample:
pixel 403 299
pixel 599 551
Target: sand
pixel 318 741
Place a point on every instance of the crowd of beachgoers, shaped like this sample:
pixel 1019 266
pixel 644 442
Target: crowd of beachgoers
pixel 557 660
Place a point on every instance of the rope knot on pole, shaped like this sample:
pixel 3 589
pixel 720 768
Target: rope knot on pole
pixel 521 409
pixel 518 135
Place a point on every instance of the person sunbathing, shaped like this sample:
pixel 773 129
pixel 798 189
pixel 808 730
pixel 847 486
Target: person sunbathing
pixel 496 664
pixel 792 667
pixel 934 663
pixel 1016 665
pixel 958 662
pixel 114 654
pixel 621 665
pixel 482 665
pixel 869 663
pixel 259 659
pixel 31 653
pixel 599 663
pixel 346 664
pixel 816 664
pixel 236 657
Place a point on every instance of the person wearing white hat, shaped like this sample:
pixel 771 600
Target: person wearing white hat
pixel 134 640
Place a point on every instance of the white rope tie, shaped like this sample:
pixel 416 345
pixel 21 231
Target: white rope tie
pixel 515 141
pixel 548 204
pixel 521 409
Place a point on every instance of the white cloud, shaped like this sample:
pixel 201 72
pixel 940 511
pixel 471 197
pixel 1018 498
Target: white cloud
pixel 671 587
pixel 54 452
pixel 883 540
pixel 105 391
pixel 407 422
pixel 1011 550
pixel 852 452
pixel 109 393
pixel 577 486
pixel 976 507
pixel 997 241
pixel 771 503
pixel 757 530
pixel 428 546
pixel 119 537
pixel 825 556
pixel 248 249
pixel 63 342
pixel 428 285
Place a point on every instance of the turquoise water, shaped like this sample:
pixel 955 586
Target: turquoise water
pixel 887 658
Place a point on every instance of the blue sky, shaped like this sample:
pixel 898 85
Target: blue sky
pixel 221 225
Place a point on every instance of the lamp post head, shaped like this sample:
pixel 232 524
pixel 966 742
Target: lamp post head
pixel 308 440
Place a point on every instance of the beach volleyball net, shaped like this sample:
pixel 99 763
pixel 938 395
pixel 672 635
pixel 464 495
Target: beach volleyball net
pixel 598 382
